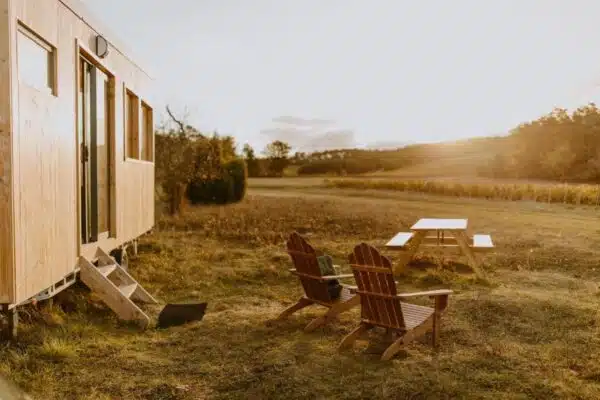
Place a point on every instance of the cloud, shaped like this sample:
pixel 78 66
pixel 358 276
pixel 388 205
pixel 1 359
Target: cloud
pixel 286 119
pixel 386 145
pixel 334 139
pixel 307 136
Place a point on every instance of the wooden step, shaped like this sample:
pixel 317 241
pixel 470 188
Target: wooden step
pixel 128 290
pixel 115 287
pixel 106 270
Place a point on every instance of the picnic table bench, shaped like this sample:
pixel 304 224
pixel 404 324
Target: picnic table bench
pixel 441 233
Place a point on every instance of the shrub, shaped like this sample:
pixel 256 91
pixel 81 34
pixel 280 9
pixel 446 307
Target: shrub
pixel 229 186
pixel 238 174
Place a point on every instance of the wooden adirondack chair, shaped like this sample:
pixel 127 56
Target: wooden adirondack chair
pixel 381 306
pixel 316 285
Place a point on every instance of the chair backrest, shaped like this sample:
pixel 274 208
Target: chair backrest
pixel 376 287
pixel 305 261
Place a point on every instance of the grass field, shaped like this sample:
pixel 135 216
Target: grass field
pixel 542 192
pixel 531 331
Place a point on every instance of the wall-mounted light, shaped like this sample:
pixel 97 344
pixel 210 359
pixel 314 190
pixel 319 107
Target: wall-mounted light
pixel 101 46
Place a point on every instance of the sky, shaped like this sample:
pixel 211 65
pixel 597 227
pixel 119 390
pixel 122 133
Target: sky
pixel 344 73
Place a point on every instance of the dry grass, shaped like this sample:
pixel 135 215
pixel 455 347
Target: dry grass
pixel 531 331
pixel 543 193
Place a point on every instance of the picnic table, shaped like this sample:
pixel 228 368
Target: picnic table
pixel 440 233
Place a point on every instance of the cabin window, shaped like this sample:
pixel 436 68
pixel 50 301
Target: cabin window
pixel 147 136
pixel 36 61
pixel 132 125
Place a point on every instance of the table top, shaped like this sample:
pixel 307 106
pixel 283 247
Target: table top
pixel 430 224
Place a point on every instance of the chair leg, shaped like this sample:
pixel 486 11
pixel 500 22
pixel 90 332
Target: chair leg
pixel 302 303
pixel 437 326
pixel 406 339
pixel 332 313
pixel 315 323
pixel 393 349
pixel 354 335
pixel 441 302
pixel 389 335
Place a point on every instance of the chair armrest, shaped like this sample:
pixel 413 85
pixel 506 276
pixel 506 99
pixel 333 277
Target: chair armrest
pixel 431 293
pixel 321 278
pixel 440 298
pixel 332 277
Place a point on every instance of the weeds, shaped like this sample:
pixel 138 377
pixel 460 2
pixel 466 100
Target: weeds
pixel 531 331
pixel 551 193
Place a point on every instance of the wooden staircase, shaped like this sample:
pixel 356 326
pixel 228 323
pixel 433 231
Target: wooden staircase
pixel 115 287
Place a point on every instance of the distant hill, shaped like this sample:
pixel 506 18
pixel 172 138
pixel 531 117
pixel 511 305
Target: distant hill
pixel 459 158
pixel 464 158
pixel 559 146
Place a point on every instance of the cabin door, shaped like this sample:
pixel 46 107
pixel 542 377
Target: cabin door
pixel 94 152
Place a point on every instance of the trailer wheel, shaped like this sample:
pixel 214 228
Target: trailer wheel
pixel 121 256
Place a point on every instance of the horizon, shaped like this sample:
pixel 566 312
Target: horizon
pixel 460 70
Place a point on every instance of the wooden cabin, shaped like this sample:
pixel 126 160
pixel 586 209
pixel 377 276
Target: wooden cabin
pixel 76 146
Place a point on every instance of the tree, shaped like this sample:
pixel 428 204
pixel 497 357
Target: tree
pixel 277 153
pixel 227 147
pixel 251 161
pixel 182 153
pixel 558 161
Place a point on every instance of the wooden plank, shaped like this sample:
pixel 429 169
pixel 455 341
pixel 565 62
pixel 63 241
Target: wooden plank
pixel 141 294
pixel 128 290
pixel 482 241
pixel 438 292
pixel 467 250
pixel 124 278
pixel 431 224
pixel 441 240
pixel 376 287
pixel 106 270
pixel 111 295
pixel 400 240
pixel 7 262
pixel 304 257
pixel 410 252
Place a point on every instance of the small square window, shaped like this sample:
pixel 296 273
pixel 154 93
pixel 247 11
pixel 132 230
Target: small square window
pixel 132 124
pixel 36 62
pixel 147 136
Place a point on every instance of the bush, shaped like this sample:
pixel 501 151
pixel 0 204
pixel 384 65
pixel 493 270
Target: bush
pixel 228 187
pixel 238 174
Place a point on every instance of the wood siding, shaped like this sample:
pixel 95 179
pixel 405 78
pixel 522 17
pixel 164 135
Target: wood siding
pixel 6 215
pixel 47 242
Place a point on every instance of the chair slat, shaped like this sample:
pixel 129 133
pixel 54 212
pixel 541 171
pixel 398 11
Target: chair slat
pixel 376 286
pixel 305 261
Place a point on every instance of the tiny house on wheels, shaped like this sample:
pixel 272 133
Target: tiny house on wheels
pixel 76 157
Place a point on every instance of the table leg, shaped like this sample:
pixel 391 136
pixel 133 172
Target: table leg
pixel 463 242
pixel 408 255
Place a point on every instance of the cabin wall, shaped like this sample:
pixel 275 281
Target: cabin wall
pixel 46 181
pixel 6 221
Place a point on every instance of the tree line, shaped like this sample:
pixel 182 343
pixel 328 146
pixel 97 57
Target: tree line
pixel 199 168
pixel 559 146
